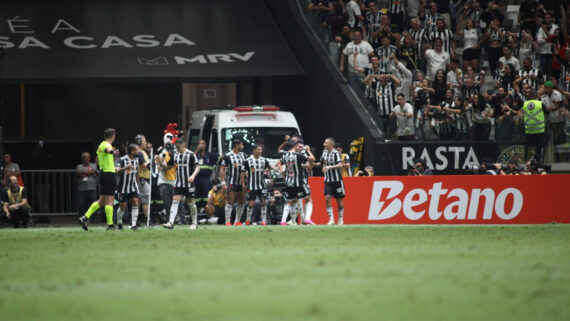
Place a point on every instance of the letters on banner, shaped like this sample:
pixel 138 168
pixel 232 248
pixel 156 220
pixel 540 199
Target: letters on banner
pixel 533 199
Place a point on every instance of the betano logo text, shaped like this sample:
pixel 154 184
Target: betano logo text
pixel 457 204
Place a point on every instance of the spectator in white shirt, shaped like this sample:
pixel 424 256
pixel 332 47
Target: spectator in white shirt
pixel 552 102
pixel 436 59
pixel 355 17
pixel 358 53
pixel 405 76
pixel 404 113
pixel 508 58
pixel 545 30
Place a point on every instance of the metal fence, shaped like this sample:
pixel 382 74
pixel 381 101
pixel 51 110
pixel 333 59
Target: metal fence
pixel 51 192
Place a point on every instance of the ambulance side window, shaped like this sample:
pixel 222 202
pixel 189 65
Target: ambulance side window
pixel 214 141
pixel 194 137
pixel 207 129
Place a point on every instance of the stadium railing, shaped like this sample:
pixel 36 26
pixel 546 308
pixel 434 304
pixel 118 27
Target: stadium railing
pixel 51 192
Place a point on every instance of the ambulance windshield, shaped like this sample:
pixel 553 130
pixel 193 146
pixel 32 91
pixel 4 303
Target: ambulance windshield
pixel 272 138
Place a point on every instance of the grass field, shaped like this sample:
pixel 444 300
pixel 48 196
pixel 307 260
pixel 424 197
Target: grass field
pixel 287 273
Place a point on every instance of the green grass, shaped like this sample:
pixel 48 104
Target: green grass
pixel 287 273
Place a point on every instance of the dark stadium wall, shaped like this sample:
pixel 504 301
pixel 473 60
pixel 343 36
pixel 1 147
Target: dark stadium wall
pixel 82 111
pixel 10 111
pixel 321 100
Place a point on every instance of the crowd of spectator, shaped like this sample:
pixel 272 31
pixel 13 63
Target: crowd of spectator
pixel 432 53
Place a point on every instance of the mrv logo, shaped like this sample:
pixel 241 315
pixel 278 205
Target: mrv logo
pixel 441 157
pixel 388 200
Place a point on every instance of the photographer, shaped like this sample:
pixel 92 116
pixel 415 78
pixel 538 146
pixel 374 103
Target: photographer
pixel 419 168
pixel 535 168
pixel 487 167
pixel 512 168
pixel 275 206
pixel 368 171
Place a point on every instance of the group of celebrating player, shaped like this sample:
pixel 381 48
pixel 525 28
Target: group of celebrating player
pixel 244 178
pixel 249 178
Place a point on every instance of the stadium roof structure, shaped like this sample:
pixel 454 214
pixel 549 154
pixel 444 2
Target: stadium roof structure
pixel 141 40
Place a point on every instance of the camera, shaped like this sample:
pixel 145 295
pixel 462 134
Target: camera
pixel 472 169
pixel 538 167
pixel 169 147
pixel 512 169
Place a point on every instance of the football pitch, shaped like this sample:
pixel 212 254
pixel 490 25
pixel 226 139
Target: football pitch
pixel 287 273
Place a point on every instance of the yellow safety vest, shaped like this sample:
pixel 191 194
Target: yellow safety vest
pixel 218 198
pixel 533 117
pixel 171 173
pixel 144 172
pixel 15 198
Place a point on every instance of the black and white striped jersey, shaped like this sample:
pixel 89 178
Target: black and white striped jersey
pixel 255 169
pixel 385 96
pixel 446 35
pixel 532 71
pixel 128 178
pixel 233 163
pixel 370 92
pixel 307 172
pixel 469 93
pixel 185 165
pixel 372 24
pixel 397 6
pixel 421 37
pixel 330 159
pixel 294 171
pixel 496 34
pixel 384 56
pixel 430 20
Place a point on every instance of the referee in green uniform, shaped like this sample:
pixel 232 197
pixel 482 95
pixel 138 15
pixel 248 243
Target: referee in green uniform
pixel 105 156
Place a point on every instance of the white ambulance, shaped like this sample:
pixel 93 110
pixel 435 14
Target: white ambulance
pixel 219 126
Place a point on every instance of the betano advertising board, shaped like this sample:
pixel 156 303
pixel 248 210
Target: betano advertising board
pixel 474 199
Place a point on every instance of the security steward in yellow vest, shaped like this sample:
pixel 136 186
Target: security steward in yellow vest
pixel 534 125
pixel 15 204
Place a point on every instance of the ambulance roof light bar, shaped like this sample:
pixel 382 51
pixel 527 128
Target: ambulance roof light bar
pixel 256 108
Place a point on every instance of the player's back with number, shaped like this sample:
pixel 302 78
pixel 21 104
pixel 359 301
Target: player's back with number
pixel 294 171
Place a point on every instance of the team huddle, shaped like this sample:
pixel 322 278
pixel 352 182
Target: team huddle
pixel 243 178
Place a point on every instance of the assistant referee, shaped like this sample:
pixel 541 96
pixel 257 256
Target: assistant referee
pixel 105 157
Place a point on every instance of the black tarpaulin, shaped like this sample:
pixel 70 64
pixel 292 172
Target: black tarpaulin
pixel 60 40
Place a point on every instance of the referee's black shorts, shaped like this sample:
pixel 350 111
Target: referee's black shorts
pixel 336 189
pixel 108 183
